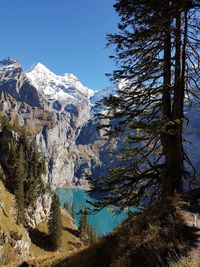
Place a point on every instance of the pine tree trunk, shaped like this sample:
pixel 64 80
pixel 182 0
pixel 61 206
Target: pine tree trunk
pixel 177 113
pixel 173 167
pixel 171 140
pixel 166 102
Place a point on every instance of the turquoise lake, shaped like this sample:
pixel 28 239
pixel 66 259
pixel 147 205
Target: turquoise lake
pixel 103 222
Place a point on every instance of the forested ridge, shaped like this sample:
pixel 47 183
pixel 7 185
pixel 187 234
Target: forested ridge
pixel 22 172
pixel 22 166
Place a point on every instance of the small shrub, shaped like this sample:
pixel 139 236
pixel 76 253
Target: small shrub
pixel 2 237
pixel 14 235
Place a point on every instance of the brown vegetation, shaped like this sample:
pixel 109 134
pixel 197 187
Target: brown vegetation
pixel 161 236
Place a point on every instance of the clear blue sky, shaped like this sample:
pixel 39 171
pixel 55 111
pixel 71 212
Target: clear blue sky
pixel 65 35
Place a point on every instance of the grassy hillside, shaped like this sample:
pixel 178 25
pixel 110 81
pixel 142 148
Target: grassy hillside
pixel 70 242
pixel 165 235
pixel 17 244
pixel 14 239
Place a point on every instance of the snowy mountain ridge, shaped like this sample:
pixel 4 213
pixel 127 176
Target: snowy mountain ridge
pixel 57 87
pixel 8 64
pixel 50 86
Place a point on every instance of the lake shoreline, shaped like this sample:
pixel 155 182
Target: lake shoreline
pixel 83 187
pixel 104 222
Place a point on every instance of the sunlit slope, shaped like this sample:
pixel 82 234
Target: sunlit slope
pixel 164 235
pixel 17 244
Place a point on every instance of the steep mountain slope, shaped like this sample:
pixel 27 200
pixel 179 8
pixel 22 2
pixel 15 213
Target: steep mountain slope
pixel 61 119
pixel 59 111
pixel 14 81
pixel 14 239
pixel 17 244
pixel 61 93
pixel 57 87
pixel 166 234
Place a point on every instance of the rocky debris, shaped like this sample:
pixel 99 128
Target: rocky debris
pixel 40 211
pixel 22 248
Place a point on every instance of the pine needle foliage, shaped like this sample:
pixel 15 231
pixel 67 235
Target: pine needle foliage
pixel 19 185
pixel 67 206
pixel 55 223
pixel 22 164
pixel 87 233
pixel 157 55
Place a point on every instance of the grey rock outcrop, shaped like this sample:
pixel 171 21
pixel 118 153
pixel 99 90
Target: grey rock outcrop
pixel 57 110
pixel 14 82
pixel 40 211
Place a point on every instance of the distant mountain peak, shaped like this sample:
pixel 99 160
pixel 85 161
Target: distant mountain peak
pixel 9 62
pixel 40 68
pixel 57 87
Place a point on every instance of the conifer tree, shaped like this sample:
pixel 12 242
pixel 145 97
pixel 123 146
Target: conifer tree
pixel 19 185
pixel 34 170
pixel 55 223
pixel 73 213
pixel 87 233
pixel 92 235
pixel 67 206
pixel 157 52
pixel 10 164
pixel 83 227
pixel 22 164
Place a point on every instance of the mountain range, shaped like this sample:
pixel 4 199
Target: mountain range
pixel 60 112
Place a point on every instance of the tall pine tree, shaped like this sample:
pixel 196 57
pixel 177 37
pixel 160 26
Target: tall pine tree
pixel 87 233
pixel 55 223
pixel 73 212
pixel 19 185
pixel 157 52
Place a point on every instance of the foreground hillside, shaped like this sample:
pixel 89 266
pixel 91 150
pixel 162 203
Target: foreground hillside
pixel 18 243
pixel 26 202
pixel 164 235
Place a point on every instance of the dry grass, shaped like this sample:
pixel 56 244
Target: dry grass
pixel 69 243
pixel 152 239
pixel 9 255
pixel 38 256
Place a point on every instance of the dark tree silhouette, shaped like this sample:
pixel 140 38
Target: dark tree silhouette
pixel 157 54
pixel 55 223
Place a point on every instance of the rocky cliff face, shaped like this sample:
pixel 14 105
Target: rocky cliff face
pixel 58 111
pixel 14 82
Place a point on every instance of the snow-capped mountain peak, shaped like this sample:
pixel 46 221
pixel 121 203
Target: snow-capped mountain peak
pixel 8 61
pixel 39 68
pixel 8 64
pixel 70 76
pixel 58 87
